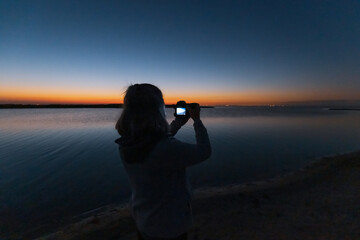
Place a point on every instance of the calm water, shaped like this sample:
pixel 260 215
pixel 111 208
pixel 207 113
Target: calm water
pixel 57 163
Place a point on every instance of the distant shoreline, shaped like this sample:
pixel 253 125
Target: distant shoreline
pixel 119 105
pixel 11 106
pixel 345 109
pixel 113 105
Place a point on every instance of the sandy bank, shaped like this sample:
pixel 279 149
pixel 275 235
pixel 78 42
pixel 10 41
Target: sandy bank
pixel 321 201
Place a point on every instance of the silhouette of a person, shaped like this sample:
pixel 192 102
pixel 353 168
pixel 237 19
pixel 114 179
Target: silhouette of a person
pixel 155 163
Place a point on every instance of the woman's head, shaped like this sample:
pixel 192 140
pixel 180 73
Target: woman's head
pixel 143 112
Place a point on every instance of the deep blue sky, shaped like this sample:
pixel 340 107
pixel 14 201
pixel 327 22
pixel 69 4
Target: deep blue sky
pixel 230 51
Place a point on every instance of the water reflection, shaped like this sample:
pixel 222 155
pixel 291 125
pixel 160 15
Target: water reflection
pixel 56 163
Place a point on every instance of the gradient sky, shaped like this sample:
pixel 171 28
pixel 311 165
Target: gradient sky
pixel 213 52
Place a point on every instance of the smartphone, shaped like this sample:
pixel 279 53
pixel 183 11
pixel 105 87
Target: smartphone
pixel 180 109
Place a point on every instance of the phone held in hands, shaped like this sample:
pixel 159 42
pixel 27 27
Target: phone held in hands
pixel 180 109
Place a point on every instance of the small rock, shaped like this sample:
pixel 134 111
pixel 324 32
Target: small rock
pixel 265 196
pixel 256 203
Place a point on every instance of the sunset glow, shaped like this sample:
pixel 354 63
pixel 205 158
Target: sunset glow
pixel 241 53
pixel 74 96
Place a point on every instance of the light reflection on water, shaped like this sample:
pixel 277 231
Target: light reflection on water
pixel 56 163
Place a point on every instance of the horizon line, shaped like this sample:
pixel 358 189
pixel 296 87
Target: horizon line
pixel 320 103
pixel 220 104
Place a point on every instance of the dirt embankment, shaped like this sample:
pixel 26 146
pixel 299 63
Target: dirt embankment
pixel 321 201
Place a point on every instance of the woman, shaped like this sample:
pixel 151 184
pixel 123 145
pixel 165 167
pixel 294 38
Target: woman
pixel 156 163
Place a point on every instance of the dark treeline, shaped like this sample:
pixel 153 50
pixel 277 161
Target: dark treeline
pixel 345 109
pixel 114 105
pixel 60 106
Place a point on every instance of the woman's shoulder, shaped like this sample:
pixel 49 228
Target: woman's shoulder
pixel 166 141
pixel 165 144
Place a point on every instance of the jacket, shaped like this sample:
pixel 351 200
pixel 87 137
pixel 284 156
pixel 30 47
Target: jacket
pixel 161 194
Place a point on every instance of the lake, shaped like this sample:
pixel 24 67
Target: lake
pixel 58 163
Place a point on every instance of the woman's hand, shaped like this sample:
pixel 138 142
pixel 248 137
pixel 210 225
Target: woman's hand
pixel 182 119
pixel 194 111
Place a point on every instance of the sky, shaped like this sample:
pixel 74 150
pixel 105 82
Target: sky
pixel 211 52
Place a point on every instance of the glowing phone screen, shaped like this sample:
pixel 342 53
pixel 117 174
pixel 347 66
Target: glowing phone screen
pixel 180 111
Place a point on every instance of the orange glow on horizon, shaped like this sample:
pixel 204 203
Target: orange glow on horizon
pixel 71 96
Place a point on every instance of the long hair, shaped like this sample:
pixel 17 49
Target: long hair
pixel 143 113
